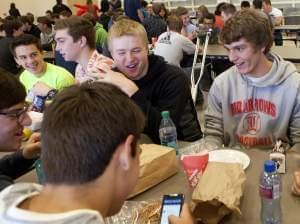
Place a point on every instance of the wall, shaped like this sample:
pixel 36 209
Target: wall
pixel 37 7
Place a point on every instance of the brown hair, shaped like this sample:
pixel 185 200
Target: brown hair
pixel 82 128
pixel 10 25
pixel 25 39
pixel 174 23
pixel 78 27
pixel 248 24
pixel 127 27
pixel 181 11
pixel 45 20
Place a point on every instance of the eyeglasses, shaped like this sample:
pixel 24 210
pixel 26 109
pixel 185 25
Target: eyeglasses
pixel 18 115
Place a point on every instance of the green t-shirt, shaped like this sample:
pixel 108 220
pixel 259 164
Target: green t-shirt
pixel 101 35
pixel 55 77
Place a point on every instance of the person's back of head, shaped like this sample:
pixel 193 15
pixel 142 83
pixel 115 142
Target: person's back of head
pixel 228 9
pixel 10 26
pixel 174 23
pixel 78 27
pixel 180 11
pixel 12 91
pixel 257 4
pixel 250 25
pixel 12 5
pixel 45 20
pixel 64 14
pixel 218 8
pixel 25 19
pixel 30 16
pixel 90 17
pixel 156 7
pixel 127 27
pixel 86 124
pixel 245 4
pixel 25 40
pixel 104 6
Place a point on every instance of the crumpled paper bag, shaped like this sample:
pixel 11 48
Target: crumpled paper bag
pixel 218 191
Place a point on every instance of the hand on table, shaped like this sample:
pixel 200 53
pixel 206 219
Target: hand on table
pixel 32 147
pixel 118 79
pixel 184 218
pixel 40 89
pixel 296 184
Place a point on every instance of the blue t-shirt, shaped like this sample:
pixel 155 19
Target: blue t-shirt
pixel 131 7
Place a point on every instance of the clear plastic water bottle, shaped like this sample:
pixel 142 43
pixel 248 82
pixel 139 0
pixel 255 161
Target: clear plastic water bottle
pixel 270 194
pixel 167 131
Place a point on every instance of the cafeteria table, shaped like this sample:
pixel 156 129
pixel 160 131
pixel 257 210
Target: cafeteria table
pixel 250 202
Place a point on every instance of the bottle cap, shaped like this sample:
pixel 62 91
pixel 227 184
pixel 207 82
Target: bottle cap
pixel 269 166
pixel 165 114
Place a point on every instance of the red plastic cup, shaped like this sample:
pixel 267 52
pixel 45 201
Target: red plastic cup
pixel 194 166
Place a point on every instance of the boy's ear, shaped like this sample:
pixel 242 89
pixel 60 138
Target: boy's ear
pixel 83 41
pixel 125 154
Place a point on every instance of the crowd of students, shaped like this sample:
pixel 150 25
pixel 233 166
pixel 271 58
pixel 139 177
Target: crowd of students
pixel 116 90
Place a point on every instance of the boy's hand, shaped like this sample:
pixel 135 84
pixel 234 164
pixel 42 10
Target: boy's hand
pixel 184 218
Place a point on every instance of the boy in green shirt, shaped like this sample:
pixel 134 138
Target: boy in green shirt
pixel 39 78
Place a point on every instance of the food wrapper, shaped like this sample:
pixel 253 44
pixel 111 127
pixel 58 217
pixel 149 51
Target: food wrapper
pixel 218 191
pixel 157 163
pixel 137 212
pixel 194 166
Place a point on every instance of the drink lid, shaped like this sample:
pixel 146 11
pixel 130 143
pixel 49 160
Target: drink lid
pixel 165 114
pixel 269 166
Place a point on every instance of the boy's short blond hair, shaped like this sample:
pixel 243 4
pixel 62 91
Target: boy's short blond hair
pixel 127 27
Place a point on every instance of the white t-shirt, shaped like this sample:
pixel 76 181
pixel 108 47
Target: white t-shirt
pixel 12 196
pixel 171 46
pixel 275 12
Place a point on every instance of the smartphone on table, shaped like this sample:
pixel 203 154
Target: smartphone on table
pixel 171 205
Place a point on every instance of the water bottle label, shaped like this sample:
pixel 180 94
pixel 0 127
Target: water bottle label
pixel 270 192
pixel 266 192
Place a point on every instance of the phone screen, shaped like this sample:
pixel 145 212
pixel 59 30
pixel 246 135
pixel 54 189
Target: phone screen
pixel 171 205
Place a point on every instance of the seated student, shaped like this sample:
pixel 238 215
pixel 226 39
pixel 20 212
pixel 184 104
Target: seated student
pixel 100 32
pixel 47 33
pixel 152 83
pixel 97 127
pixel 75 40
pixel 248 104
pixel 30 28
pixel 188 29
pixel 245 5
pixel 13 118
pixel 209 24
pixel 227 11
pixel 39 78
pixel 171 45
pixel 276 17
pixel 154 24
pixel 12 28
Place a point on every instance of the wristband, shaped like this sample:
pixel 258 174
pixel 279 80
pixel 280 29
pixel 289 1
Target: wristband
pixel 51 94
